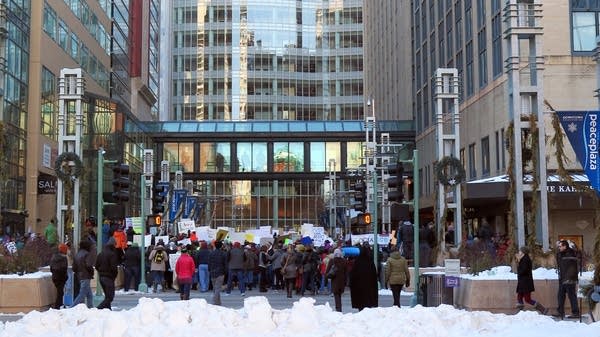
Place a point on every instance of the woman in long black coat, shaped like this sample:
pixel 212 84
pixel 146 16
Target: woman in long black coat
pixel 525 281
pixel 363 281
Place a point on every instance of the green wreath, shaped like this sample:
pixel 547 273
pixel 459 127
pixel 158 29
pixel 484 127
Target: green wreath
pixel 62 162
pixel 449 171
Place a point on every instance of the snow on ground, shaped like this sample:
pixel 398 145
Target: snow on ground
pixel 155 318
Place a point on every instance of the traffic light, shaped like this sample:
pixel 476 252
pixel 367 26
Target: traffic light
pixel 121 182
pixel 363 219
pixel 360 196
pixel 395 182
pixel 159 196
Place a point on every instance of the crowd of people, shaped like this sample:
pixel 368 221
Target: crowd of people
pixel 299 267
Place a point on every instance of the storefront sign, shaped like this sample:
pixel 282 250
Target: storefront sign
pixel 46 184
pixel 581 128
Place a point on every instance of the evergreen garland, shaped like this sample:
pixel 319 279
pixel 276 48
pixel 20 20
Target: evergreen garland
pixel 512 247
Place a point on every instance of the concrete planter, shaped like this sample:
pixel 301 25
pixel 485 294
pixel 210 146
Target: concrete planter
pixel 25 294
pixel 500 296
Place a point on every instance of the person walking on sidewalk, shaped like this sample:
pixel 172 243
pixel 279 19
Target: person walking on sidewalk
pixel 217 265
pixel 83 266
pixel 106 265
pixel 185 269
pixel 397 275
pixel 567 263
pixel 337 278
pixel 525 282
pixel 59 267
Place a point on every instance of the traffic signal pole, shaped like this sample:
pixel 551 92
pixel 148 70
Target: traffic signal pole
pixel 415 204
pixel 99 296
pixel 143 287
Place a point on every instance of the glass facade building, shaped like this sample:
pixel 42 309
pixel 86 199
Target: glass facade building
pixel 265 60
pixel 15 30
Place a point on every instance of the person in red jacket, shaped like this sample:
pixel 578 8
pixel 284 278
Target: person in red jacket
pixel 185 269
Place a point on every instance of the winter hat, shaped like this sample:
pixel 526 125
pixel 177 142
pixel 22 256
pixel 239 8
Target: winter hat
pixel 63 249
pixel 236 245
pixel 338 253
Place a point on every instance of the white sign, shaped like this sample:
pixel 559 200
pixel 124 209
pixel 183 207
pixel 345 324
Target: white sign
pixel 319 236
pixel 185 242
pixel 452 267
pixel 186 225
pixel 147 240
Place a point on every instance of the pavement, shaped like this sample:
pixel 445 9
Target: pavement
pixel 277 300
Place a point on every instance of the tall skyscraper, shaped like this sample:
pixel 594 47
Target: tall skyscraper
pixel 262 60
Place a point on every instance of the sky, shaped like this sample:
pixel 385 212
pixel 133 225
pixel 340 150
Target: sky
pixel 154 318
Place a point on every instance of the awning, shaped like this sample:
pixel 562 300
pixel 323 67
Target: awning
pixel 496 188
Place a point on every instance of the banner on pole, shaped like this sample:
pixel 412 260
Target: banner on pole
pixel 581 128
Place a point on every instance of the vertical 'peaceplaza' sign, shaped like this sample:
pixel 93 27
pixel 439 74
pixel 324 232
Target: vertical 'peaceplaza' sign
pixel 582 130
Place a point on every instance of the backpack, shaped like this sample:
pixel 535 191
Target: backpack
pixel 159 257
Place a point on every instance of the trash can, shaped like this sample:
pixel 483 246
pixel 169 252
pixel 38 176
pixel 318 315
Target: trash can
pixel 432 290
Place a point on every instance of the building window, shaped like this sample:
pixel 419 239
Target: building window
pixel 584 31
pixel 498 148
pixel 50 21
pixel 472 159
pixel 252 157
pixel 497 43
pixel 485 156
pixel 502 147
pixel 49 108
pixel 585 25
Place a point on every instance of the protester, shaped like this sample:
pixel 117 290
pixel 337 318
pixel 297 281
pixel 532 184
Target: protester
pixel 338 278
pixel 158 258
pixel 202 262
pixel 217 265
pixel 525 281
pixel 263 264
pixel 236 259
pixel 83 266
pixel 132 266
pixel 59 267
pixel 397 275
pixel 567 266
pixel 276 264
pixel 289 270
pixel 185 269
pixel 363 281
pixel 106 265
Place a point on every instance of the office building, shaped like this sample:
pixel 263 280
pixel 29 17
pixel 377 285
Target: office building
pixel 556 70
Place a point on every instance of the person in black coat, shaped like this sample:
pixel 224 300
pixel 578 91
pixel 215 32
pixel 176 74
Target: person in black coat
pixel 525 281
pixel 217 266
pixel 568 267
pixel 338 281
pixel 106 265
pixel 363 281
pixel 58 267
pixel 132 266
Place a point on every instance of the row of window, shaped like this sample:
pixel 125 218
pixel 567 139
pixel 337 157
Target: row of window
pixel 269 87
pixel 263 156
pixel 265 62
pixel 266 111
pixel 58 31
pixel 266 13
pixel 268 38
pixel 89 20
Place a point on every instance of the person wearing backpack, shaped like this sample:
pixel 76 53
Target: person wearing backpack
pixel 158 258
